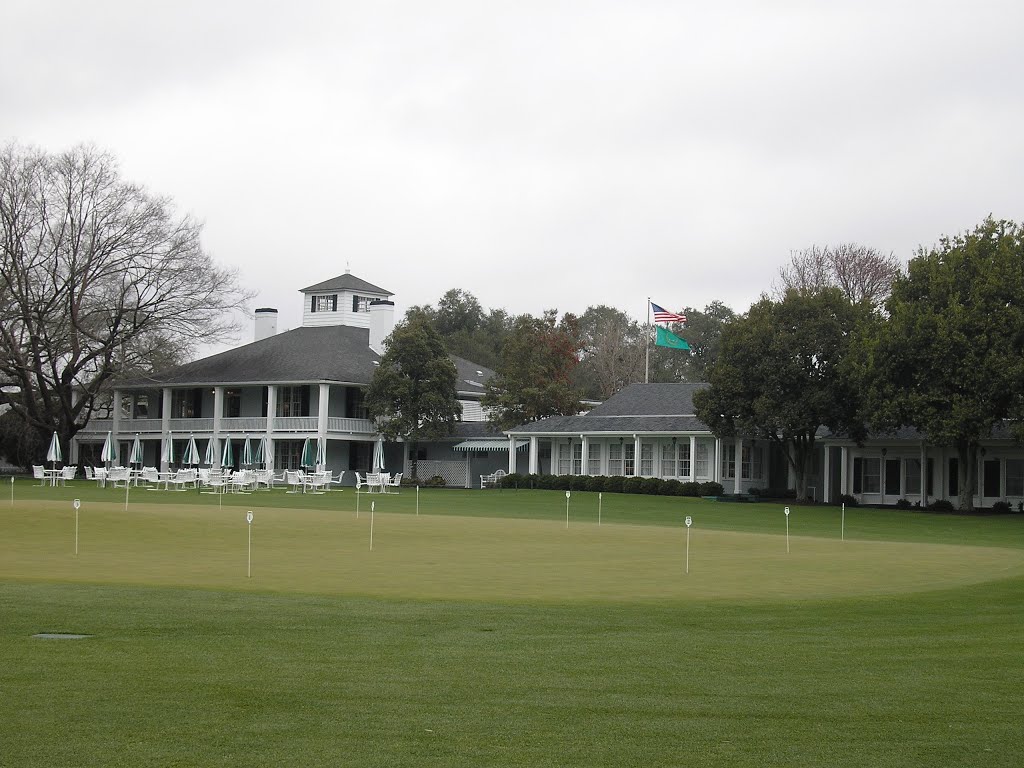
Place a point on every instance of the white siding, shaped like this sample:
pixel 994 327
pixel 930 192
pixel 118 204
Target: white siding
pixel 344 315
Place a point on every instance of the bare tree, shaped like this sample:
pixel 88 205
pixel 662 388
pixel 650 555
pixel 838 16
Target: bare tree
pixel 860 272
pixel 97 275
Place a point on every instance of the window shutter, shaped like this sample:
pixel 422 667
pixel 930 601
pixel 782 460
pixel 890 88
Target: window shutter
pixel 312 303
pixel 334 303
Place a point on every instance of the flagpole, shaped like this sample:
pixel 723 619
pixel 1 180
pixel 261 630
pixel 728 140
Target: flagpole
pixel 647 350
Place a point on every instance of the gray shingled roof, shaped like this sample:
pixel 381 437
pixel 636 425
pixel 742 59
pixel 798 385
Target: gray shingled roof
pixel 346 282
pixel 637 408
pixel 336 353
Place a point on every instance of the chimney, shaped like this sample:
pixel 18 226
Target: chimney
pixel 382 323
pixel 266 323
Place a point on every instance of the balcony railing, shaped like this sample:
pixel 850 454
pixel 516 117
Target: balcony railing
pixel 353 426
pixel 233 425
pixel 244 424
pixel 295 424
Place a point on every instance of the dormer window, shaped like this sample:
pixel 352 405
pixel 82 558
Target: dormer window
pixel 324 303
pixel 360 303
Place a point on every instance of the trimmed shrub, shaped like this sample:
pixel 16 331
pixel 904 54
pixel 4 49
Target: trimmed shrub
pixel 436 482
pixel 596 483
pixel 774 493
pixel 710 488
pixel 903 504
pixel 544 482
pixel 652 486
pixel 691 488
pixel 614 483
pixel 671 488
pixel 1002 508
pixel 561 482
pixel 514 480
pixel 848 500
pixel 941 505
pixel 633 485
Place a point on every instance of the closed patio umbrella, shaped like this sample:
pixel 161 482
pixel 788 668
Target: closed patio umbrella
pixel 167 454
pixel 53 454
pixel 247 453
pixel 109 453
pixel 227 457
pixel 261 452
pixel 308 456
pixel 321 455
pixel 191 456
pixel 378 455
pixel 211 451
pixel 136 452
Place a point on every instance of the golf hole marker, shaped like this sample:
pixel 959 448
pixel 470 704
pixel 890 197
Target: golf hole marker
pixel 76 504
pixel 373 504
pixel 689 522
pixel 787 530
pixel 600 502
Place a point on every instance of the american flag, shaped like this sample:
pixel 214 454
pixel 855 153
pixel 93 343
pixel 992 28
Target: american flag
pixel 662 315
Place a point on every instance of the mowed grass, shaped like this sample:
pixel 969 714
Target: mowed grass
pixel 483 632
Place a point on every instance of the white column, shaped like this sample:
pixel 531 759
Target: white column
pixel 825 482
pixel 584 457
pixel 511 455
pixel 924 475
pixel 165 425
pixel 636 455
pixel 271 412
pixel 738 466
pixel 716 468
pixel 534 455
pixel 321 420
pixel 218 409
pixel 693 458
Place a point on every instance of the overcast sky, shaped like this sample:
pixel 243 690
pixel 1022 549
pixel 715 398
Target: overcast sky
pixel 536 154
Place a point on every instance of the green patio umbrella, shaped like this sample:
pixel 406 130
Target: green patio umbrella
pixel 308 455
pixel 191 455
pixel 53 454
pixel 247 453
pixel 167 455
pixel 321 455
pixel 227 457
pixel 211 451
pixel 109 453
pixel 136 452
pixel 261 452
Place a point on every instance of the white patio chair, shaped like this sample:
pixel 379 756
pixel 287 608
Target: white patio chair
pixel 100 476
pixel 394 482
pixel 318 481
pixel 295 481
pixel 341 478
pixel 68 473
pixel 39 473
pixel 89 474
pixel 150 475
pixel 118 476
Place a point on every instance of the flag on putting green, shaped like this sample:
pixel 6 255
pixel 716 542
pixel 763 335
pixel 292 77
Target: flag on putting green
pixel 670 340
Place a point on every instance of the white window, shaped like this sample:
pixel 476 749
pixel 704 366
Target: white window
pixel 729 461
pixel 913 476
pixel 594 459
pixel 1015 477
pixel 751 465
pixel 701 459
pixel 668 460
pixel 867 475
pixel 577 458
pixel 615 459
pixel 646 459
pixel 325 303
pixel 360 303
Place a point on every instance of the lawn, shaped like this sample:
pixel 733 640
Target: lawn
pixel 484 632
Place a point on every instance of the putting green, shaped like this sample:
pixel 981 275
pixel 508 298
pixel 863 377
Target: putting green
pixel 442 557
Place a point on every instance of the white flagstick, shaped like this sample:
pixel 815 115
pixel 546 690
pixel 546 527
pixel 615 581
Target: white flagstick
pixel 787 530
pixel 77 504
pixel 567 493
pixel 599 501
pixel 127 485
pixel 689 522
pixel 842 527
pixel 372 505
pixel 248 519
pixel 417 501
pixel 12 490
pixel 357 503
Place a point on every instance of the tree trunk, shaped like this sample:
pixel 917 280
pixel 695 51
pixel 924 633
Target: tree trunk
pixel 968 474
pixel 801 450
pixel 414 461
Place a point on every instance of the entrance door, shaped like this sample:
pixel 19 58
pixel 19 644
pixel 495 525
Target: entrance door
pixel 892 477
pixel 992 478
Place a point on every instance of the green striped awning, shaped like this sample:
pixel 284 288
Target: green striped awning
pixel 488 445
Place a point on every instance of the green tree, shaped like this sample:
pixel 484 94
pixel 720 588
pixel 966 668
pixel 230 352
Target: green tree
pixel 535 376
pixel 778 375
pixel 97 276
pixel 467 329
pixel 612 355
pixel 950 359
pixel 412 394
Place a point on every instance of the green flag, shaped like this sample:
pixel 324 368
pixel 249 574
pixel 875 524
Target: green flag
pixel 670 340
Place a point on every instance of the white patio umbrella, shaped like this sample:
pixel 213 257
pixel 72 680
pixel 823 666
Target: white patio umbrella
pixel 227 457
pixel 53 454
pixel 378 455
pixel 109 453
pixel 191 456
pixel 167 455
pixel 247 453
pixel 308 456
pixel 321 455
pixel 136 452
pixel 211 451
